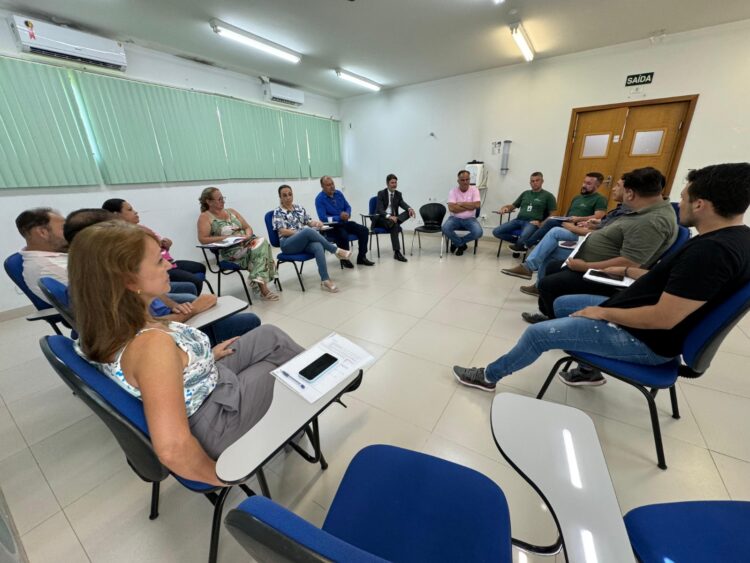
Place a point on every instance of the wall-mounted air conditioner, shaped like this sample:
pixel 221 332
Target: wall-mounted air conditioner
pixel 43 38
pixel 283 94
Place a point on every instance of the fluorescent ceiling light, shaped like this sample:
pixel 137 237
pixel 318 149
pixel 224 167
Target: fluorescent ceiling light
pixel 346 75
pixel 254 41
pixel 522 40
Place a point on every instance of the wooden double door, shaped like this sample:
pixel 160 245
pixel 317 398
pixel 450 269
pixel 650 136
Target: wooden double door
pixel 618 138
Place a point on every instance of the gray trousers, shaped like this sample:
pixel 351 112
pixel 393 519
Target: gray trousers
pixel 244 391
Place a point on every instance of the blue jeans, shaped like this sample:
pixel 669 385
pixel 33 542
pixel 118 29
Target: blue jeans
pixel 538 235
pixel 506 231
pixel 470 224
pixel 548 250
pixel 576 334
pixel 235 325
pixel 312 242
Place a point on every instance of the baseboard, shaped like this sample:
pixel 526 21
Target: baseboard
pixel 18 313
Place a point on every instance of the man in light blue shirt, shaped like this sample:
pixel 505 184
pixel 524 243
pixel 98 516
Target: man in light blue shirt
pixel 332 207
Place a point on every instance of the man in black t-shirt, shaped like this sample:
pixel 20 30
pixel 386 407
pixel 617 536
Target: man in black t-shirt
pixel 648 322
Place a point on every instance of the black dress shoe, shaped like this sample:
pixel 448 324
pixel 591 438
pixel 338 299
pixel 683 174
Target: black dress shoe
pixel 347 264
pixel 461 249
pixel 452 248
pixel 517 247
pixel 364 262
pixel 400 257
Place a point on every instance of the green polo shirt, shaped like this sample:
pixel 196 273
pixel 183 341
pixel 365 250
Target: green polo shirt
pixel 535 206
pixel 641 236
pixel 585 205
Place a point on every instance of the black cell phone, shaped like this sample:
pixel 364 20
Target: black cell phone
pixel 318 366
pixel 606 275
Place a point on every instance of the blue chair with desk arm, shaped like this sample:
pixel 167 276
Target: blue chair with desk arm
pixel 697 353
pixel 282 257
pixel 124 416
pixel 392 505
pixel 14 268
pixel 376 231
pixel 222 268
pixel 57 294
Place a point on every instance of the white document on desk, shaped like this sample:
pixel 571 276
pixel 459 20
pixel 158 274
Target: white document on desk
pixel 229 241
pixel 350 358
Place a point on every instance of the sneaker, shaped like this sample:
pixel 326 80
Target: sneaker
pixel 530 290
pixel 342 254
pixel 533 318
pixel 519 271
pixel 473 377
pixel 582 376
pixel 515 247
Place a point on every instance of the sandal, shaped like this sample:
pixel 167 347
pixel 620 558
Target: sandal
pixel 342 254
pixel 270 296
pixel 328 285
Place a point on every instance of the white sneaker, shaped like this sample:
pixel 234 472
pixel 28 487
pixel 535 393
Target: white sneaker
pixel 342 254
pixel 328 285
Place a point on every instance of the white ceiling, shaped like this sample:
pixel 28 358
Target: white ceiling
pixel 394 42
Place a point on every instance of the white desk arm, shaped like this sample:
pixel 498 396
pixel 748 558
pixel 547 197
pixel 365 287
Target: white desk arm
pixel 556 449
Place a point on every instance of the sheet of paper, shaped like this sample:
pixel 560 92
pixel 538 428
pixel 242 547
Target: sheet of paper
pixel 350 358
pixel 229 241
pixel 575 250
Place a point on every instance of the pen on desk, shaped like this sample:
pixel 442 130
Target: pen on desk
pixel 285 374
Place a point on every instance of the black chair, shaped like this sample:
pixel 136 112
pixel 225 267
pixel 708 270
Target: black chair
pixel 375 231
pixel 447 242
pixel 14 268
pixel 432 222
pixel 697 352
pixel 222 268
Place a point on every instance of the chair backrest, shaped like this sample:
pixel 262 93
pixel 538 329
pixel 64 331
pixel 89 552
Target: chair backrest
pixel 373 205
pixel 432 214
pixel 676 207
pixel 57 293
pixel 703 341
pixel 273 236
pixel 121 412
pixel 683 234
pixel 14 268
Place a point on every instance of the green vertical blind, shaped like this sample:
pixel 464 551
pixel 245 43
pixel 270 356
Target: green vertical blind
pixel 42 137
pixel 132 132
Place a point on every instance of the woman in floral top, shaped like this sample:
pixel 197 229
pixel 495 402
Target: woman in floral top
pixel 297 232
pixel 217 223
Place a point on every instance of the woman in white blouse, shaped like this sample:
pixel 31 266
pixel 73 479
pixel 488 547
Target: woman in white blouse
pixel 298 234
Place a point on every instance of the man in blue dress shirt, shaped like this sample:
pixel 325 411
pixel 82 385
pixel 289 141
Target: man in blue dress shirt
pixel 332 207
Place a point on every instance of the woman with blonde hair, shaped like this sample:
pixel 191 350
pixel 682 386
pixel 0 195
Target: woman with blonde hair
pixel 197 400
pixel 216 223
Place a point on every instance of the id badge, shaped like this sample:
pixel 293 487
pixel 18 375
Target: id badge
pixel 529 208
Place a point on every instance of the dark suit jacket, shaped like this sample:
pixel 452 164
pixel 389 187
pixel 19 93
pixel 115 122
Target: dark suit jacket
pixel 381 209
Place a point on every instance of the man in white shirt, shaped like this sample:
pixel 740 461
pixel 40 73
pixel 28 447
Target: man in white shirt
pixel 45 253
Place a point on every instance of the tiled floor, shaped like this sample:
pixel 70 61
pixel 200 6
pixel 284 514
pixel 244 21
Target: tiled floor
pixel 74 498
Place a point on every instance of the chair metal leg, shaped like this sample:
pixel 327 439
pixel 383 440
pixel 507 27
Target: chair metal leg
pixel 377 243
pixel 313 434
pixel 476 244
pixel 55 328
pixel 244 285
pixel 499 248
pixel 218 502
pixel 154 514
pixel 299 274
pixel 673 398
pixel 654 423
pixel 218 284
pixel 411 252
pixel 208 284
pixel 265 491
pixel 247 490
pixel 567 360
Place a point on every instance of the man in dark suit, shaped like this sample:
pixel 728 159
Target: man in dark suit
pixel 387 216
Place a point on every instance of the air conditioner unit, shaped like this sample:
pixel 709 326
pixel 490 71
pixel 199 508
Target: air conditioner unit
pixel 283 94
pixel 43 38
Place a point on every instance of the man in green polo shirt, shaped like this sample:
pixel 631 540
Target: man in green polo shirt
pixel 534 206
pixel 589 204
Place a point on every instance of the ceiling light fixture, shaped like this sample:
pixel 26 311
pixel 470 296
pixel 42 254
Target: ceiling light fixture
pixel 499 1
pixel 346 75
pixel 251 40
pixel 522 40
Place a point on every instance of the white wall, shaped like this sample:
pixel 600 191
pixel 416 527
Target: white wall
pixel 531 105
pixel 171 208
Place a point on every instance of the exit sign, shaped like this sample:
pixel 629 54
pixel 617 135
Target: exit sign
pixel 639 79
